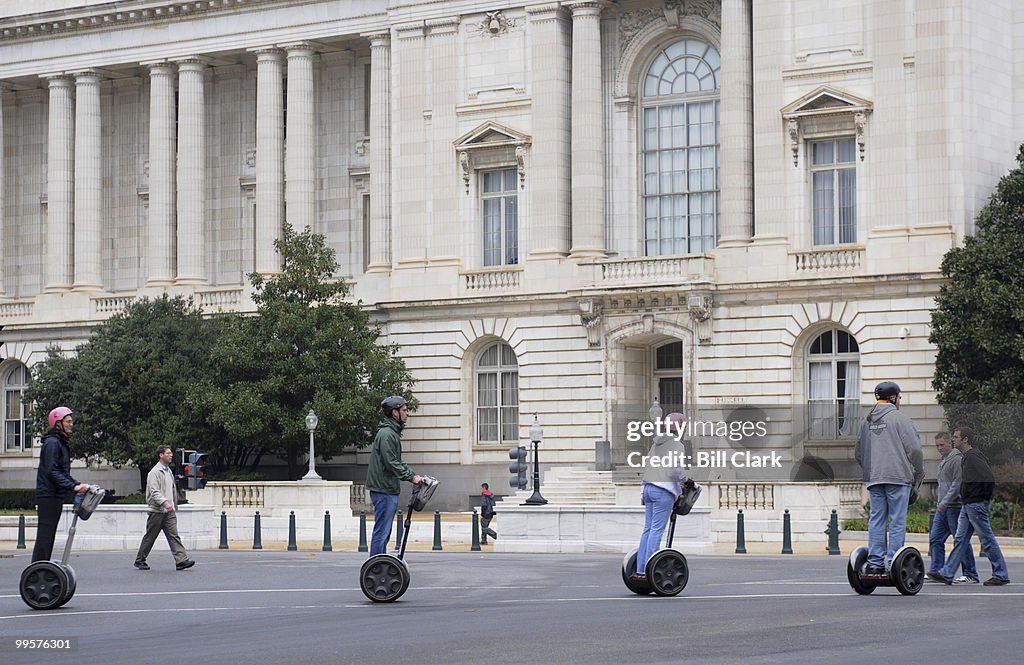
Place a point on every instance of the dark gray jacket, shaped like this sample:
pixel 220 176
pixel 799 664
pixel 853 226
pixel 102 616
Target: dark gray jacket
pixel 889 448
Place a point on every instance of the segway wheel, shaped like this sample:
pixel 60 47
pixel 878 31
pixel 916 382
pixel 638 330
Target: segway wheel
pixel 907 571
pixel 72 585
pixel 43 585
pixel 667 572
pixel 853 567
pixel 628 569
pixel 384 578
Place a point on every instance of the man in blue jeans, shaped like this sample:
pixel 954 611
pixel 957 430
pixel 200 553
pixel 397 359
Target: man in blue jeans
pixel 889 451
pixel 976 488
pixel 947 513
pixel 387 470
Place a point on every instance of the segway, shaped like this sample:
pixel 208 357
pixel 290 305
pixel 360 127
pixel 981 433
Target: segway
pixel 666 571
pixel 385 577
pixel 47 585
pixel 906 573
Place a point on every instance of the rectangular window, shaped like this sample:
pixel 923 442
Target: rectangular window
pixel 834 191
pixel 681 161
pixel 500 206
pixel 14 422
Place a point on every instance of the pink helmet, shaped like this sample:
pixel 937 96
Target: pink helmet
pixel 58 414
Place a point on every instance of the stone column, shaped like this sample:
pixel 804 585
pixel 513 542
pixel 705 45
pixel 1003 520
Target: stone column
pixel 191 174
pixel 380 153
pixel 737 129
pixel 60 186
pixel 300 158
pixel 88 182
pixel 160 249
pixel 269 159
pixel 588 215
pixel 3 178
pixel 550 174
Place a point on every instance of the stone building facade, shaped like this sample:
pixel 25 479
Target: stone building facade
pixel 560 208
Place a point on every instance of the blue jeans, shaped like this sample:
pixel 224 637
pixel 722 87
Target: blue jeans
pixel 384 508
pixel 943 526
pixel 658 502
pixel 888 505
pixel 974 517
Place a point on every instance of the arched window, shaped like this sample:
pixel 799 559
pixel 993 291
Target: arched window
pixel 16 436
pixel 833 380
pixel 681 149
pixel 497 395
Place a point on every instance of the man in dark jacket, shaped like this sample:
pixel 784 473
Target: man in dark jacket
pixel 486 514
pixel 53 481
pixel 387 470
pixel 976 488
pixel 889 451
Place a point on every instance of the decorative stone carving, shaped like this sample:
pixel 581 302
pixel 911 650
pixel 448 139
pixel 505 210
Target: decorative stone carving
pixel 823 112
pixel 521 164
pixel 671 12
pixel 464 164
pixel 494 24
pixel 501 142
pixel 250 158
pixel 860 120
pixel 699 307
pixel 590 316
pixel 793 127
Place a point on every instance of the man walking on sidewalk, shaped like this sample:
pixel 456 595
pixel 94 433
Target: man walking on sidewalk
pixel 161 495
pixel 977 486
pixel 947 513
pixel 486 514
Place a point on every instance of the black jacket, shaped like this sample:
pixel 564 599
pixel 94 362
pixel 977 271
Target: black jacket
pixel 486 504
pixel 978 482
pixel 53 478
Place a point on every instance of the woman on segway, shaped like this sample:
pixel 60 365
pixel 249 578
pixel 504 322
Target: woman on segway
pixel 661 487
pixel 53 480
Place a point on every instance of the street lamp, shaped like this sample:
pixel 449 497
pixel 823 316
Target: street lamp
pixel 311 423
pixel 655 411
pixel 536 434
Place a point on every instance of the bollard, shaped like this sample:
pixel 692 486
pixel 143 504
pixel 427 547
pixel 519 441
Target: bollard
pixel 787 533
pixel 21 532
pixel 833 533
pixel 223 531
pixel 257 538
pixel 741 546
pixel 398 530
pixel 292 545
pixel 327 532
pixel 475 538
pixel 931 519
pixel 362 532
pixel 437 531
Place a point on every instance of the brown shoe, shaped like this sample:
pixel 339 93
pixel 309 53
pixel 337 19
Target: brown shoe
pixel 996 581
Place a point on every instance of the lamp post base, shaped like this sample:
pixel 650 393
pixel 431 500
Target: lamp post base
pixel 536 499
pixel 311 477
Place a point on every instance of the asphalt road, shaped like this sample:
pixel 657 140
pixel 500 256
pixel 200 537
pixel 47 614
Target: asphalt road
pixel 306 607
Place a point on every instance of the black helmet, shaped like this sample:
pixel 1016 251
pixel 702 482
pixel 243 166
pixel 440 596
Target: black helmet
pixel 886 391
pixel 393 402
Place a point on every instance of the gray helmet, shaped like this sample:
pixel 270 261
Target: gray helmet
pixel 393 402
pixel 886 390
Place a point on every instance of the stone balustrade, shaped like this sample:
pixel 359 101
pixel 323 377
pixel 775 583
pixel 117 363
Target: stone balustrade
pixel 828 260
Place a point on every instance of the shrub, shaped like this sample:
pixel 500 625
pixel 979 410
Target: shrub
pixel 17 499
pixel 136 498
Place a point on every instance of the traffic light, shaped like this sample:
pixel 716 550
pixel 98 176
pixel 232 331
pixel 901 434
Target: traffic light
pixel 517 467
pixel 195 471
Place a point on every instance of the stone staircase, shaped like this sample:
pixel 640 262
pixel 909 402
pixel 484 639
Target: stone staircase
pixel 570 486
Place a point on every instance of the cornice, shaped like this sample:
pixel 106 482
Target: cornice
pixel 115 14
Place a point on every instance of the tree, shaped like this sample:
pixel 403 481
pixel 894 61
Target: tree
pixel 978 325
pixel 306 347
pixel 128 383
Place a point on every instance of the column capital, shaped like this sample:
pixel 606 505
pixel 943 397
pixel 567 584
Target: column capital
pixel 159 68
pixel 196 63
pixel 377 38
pixel 586 7
pixel 300 49
pixel 267 52
pixel 57 80
pixel 547 12
pixel 87 76
pixel 443 26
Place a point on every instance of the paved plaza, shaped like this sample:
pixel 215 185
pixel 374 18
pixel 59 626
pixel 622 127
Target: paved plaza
pixel 306 607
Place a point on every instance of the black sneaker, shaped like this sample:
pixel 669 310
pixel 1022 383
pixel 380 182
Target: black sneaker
pixel 184 565
pixel 934 577
pixel 874 571
pixel 996 581
pixel 142 565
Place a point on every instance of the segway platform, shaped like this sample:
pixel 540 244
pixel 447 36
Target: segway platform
pixel 47 585
pixel 384 578
pixel 667 571
pixel 906 573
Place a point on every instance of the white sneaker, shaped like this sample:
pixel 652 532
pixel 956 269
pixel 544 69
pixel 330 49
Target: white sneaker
pixel 963 579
